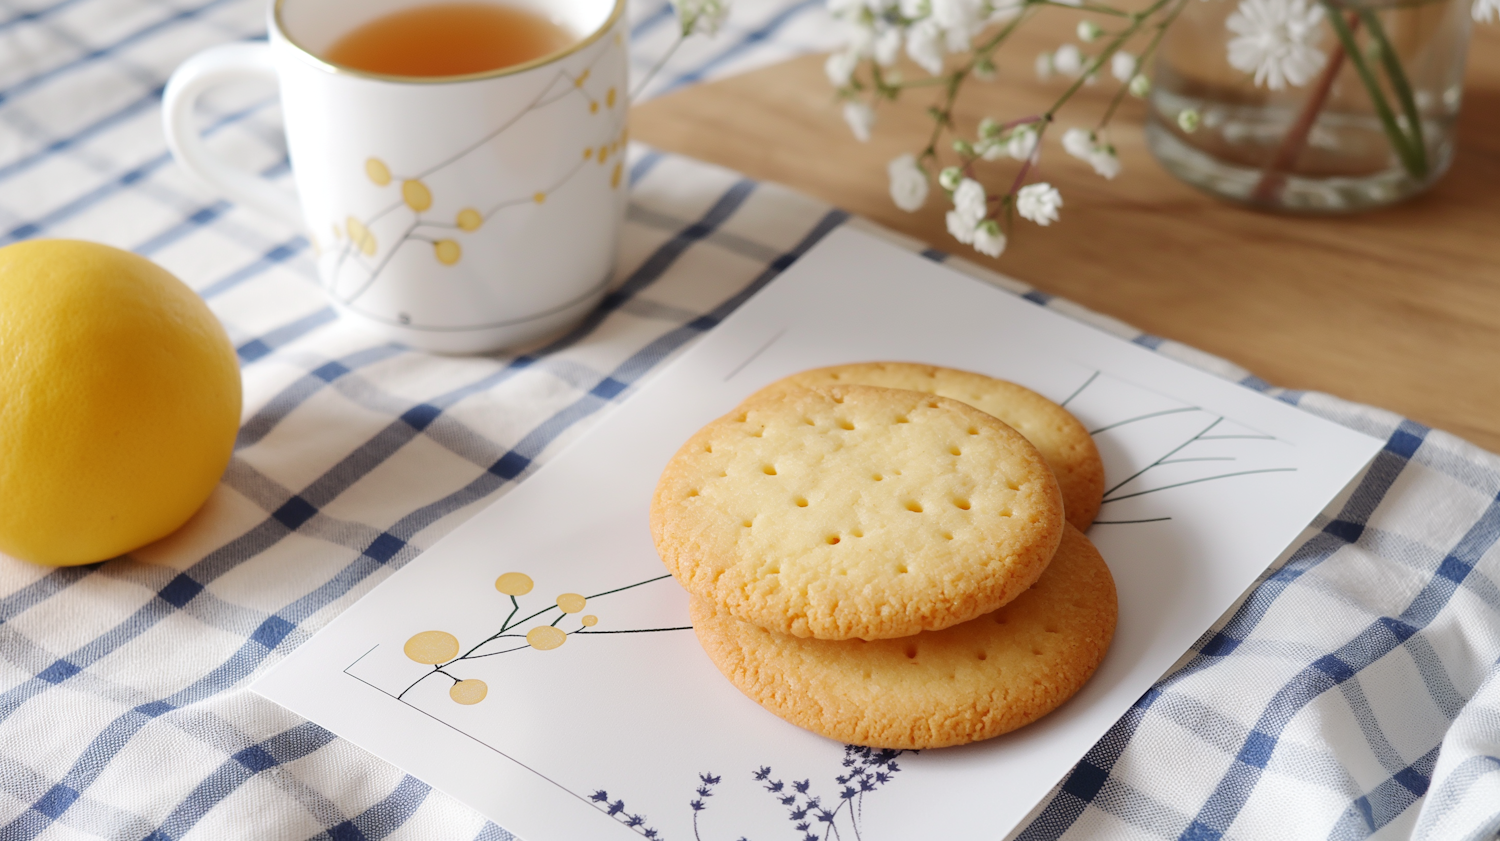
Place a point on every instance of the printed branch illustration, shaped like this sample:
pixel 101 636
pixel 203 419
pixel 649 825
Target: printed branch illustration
pixel 1171 457
pixel 440 649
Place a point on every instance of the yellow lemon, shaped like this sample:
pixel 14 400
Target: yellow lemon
pixel 119 402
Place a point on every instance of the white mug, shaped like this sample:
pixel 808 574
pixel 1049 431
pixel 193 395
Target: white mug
pixel 457 214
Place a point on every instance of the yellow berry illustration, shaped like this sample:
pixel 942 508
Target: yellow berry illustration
pixel 469 691
pixel 378 171
pixel 545 637
pixel 539 198
pixel 609 98
pixel 582 77
pixel 469 219
pixel 614 180
pixel 432 647
pixel 514 584
pixel 571 602
pixel 603 154
pixel 590 621
pixel 588 153
pixel 447 251
pixel 416 195
pixel 593 107
pixel 361 236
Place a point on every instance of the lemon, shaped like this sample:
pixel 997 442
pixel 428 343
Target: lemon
pixel 119 402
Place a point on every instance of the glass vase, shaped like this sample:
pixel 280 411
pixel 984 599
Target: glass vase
pixel 1307 106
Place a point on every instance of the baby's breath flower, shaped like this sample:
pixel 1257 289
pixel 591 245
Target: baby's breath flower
pixel 991 150
pixel 1039 203
pixel 1104 161
pixel 1123 66
pixel 908 183
pixel 887 46
pixel 950 177
pixel 924 43
pixel 1485 11
pixel 1088 31
pixel 960 227
pixel 913 9
pixel 960 20
pixel 970 201
pixel 840 68
pixel 703 16
pixel 1140 86
pixel 988 128
pixel 860 117
pixel 1276 40
pixel 1188 120
pixel 1044 66
pixel 988 239
pixel 1078 142
pixel 1068 60
pixel 1022 142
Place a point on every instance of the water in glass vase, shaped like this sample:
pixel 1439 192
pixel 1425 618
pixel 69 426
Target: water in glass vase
pixel 1307 106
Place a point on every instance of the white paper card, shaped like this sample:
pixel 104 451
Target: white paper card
pixel 627 727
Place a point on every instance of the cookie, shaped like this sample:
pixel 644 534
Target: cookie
pixel 969 682
pixel 1064 442
pixel 856 511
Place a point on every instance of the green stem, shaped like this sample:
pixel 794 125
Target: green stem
pixel 1161 29
pixel 1399 142
pixel 1402 89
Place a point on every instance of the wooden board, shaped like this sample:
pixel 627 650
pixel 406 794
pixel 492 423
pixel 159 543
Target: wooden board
pixel 1398 308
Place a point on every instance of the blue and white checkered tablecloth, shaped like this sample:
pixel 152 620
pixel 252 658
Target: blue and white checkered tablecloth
pixel 1355 692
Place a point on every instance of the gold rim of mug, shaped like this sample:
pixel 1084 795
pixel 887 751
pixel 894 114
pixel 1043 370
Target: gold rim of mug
pixel 323 64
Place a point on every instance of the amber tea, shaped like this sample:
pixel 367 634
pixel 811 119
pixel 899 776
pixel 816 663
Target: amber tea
pixel 449 39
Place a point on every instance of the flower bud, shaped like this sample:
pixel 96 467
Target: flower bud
pixel 1140 86
pixel 950 177
pixel 1188 120
pixel 962 147
pixel 1088 31
pixel 988 128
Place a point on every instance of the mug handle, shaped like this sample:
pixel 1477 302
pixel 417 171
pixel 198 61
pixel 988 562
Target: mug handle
pixel 210 68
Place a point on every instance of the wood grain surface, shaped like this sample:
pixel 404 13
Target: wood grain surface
pixel 1399 308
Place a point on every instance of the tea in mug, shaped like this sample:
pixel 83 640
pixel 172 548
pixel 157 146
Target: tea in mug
pixel 449 39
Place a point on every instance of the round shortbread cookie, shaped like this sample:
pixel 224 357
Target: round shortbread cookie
pixel 962 684
pixel 856 511
pixel 1064 442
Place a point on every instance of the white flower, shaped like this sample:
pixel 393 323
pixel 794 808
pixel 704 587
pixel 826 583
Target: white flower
pixel 1104 161
pixel 1078 142
pixel 703 16
pixel 988 239
pixel 860 117
pixel 959 18
pixel 840 68
pixel 887 46
pixel 1067 60
pixel 1022 143
pixel 1039 203
pixel 961 228
pixel 1140 86
pixel 1485 11
pixel 1276 41
pixel 1188 119
pixel 1123 66
pixel 924 43
pixel 1044 66
pixel 908 183
pixel 970 201
pixel 913 9
pixel 1088 31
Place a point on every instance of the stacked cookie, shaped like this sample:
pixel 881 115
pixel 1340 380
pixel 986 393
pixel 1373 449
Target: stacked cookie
pixel 877 561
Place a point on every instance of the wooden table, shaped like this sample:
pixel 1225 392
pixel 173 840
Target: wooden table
pixel 1398 308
